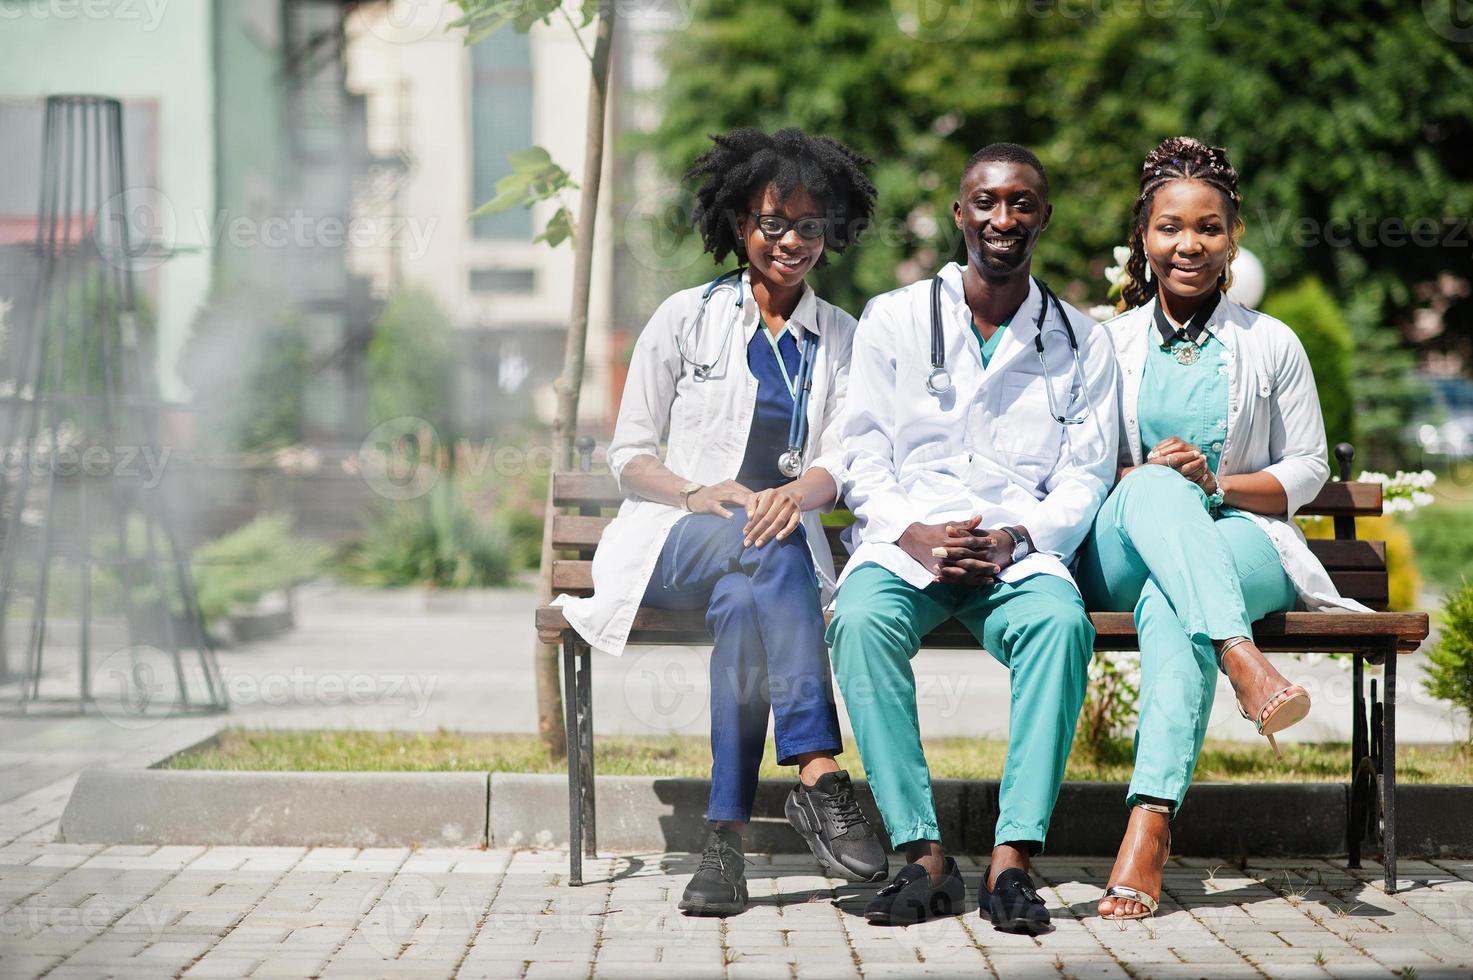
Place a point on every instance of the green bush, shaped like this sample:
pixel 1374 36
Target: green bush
pixel 1450 663
pixel 1443 537
pixel 1310 310
pixel 231 571
pixel 435 539
pixel 261 556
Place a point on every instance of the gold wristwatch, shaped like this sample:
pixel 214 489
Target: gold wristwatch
pixel 685 494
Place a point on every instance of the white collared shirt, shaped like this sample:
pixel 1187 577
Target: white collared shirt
pixel 704 426
pixel 990 446
pixel 1274 423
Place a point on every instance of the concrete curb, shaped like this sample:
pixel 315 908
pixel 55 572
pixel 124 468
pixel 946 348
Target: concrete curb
pixel 647 813
pixel 342 809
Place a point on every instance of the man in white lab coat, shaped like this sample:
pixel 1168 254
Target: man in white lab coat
pixel 977 455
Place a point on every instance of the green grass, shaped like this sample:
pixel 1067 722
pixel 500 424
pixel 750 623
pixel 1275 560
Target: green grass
pixel 950 758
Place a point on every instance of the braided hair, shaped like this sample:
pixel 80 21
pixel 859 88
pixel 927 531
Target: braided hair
pixel 746 160
pixel 1177 158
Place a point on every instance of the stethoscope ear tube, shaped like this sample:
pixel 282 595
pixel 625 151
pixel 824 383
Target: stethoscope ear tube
pixel 699 371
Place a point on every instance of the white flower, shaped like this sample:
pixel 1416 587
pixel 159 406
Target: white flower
pixel 1122 255
pixel 1421 498
pixel 1101 313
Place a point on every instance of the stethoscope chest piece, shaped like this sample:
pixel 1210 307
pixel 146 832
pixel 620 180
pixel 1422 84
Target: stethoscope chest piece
pixel 938 382
pixel 790 463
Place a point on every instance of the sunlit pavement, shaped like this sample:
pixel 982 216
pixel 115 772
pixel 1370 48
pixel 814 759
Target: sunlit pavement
pixel 366 661
pixel 92 911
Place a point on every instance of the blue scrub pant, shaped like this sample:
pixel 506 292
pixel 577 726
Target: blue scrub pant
pixel 1190 577
pixel 762 607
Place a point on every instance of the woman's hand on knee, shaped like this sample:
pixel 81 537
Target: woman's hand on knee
pixel 1188 460
pixel 772 515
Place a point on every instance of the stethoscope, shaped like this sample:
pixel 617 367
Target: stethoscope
pixel 790 462
pixel 938 382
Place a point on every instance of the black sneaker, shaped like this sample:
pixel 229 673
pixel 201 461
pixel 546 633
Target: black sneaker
pixel 719 886
pixel 910 898
pixel 1012 903
pixel 829 818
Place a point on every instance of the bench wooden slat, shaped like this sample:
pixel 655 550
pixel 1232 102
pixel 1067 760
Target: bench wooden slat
pixel 585 490
pixel 576 577
pixel 1349 556
pixel 572 533
pixel 1282 632
pixel 1350 499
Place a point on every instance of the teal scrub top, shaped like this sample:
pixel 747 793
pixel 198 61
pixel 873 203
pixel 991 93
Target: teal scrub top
pixel 1189 401
pixel 989 346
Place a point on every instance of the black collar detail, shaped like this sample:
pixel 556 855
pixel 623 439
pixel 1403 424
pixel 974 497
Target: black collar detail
pixel 1193 327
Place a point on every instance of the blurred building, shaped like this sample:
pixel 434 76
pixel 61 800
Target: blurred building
pixel 451 113
pixel 243 145
pixel 321 154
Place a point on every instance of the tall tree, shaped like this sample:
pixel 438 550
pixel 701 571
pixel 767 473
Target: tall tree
pixel 535 178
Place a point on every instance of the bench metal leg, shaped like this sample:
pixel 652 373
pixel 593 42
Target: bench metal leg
pixel 578 713
pixel 585 749
pixel 1355 817
pixel 575 746
pixel 1388 770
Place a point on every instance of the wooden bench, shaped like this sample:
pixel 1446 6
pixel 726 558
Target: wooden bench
pixel 1358 569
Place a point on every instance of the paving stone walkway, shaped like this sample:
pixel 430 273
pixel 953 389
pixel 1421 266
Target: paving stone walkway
pixel 84 911
pixel 89 911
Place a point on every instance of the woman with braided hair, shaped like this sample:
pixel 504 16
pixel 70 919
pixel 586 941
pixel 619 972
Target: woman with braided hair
pixel 1221 441
pixel 743 379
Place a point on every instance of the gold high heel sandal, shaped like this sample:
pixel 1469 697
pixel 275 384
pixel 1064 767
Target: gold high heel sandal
pixel 1128 894
pixel 1289 711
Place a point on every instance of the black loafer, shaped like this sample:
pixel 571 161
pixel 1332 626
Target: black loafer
pixel 1013 903
pixel 910 898
pixel 828 817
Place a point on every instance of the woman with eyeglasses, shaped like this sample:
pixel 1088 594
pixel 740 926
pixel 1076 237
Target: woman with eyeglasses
pixel 746 375
pixel 1221 442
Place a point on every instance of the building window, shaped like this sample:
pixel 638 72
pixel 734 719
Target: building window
pixel 501 121
pixel 503 280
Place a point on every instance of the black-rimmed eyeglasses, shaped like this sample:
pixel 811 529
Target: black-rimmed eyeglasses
pixel 775 226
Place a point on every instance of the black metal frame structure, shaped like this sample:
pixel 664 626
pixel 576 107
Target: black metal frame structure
pixel 82 327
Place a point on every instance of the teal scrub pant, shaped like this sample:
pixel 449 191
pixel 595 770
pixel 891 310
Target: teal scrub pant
pixel 1037 628
pixel 1190 577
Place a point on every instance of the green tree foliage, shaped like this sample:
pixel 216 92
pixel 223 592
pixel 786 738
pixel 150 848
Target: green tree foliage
pixel 1349 122
pixel 1450 663
pixel 1310 311
pixel 410 361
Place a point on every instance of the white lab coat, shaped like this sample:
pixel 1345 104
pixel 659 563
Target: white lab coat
pixel 1273 423
pixel 706 425
pixel 988 447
